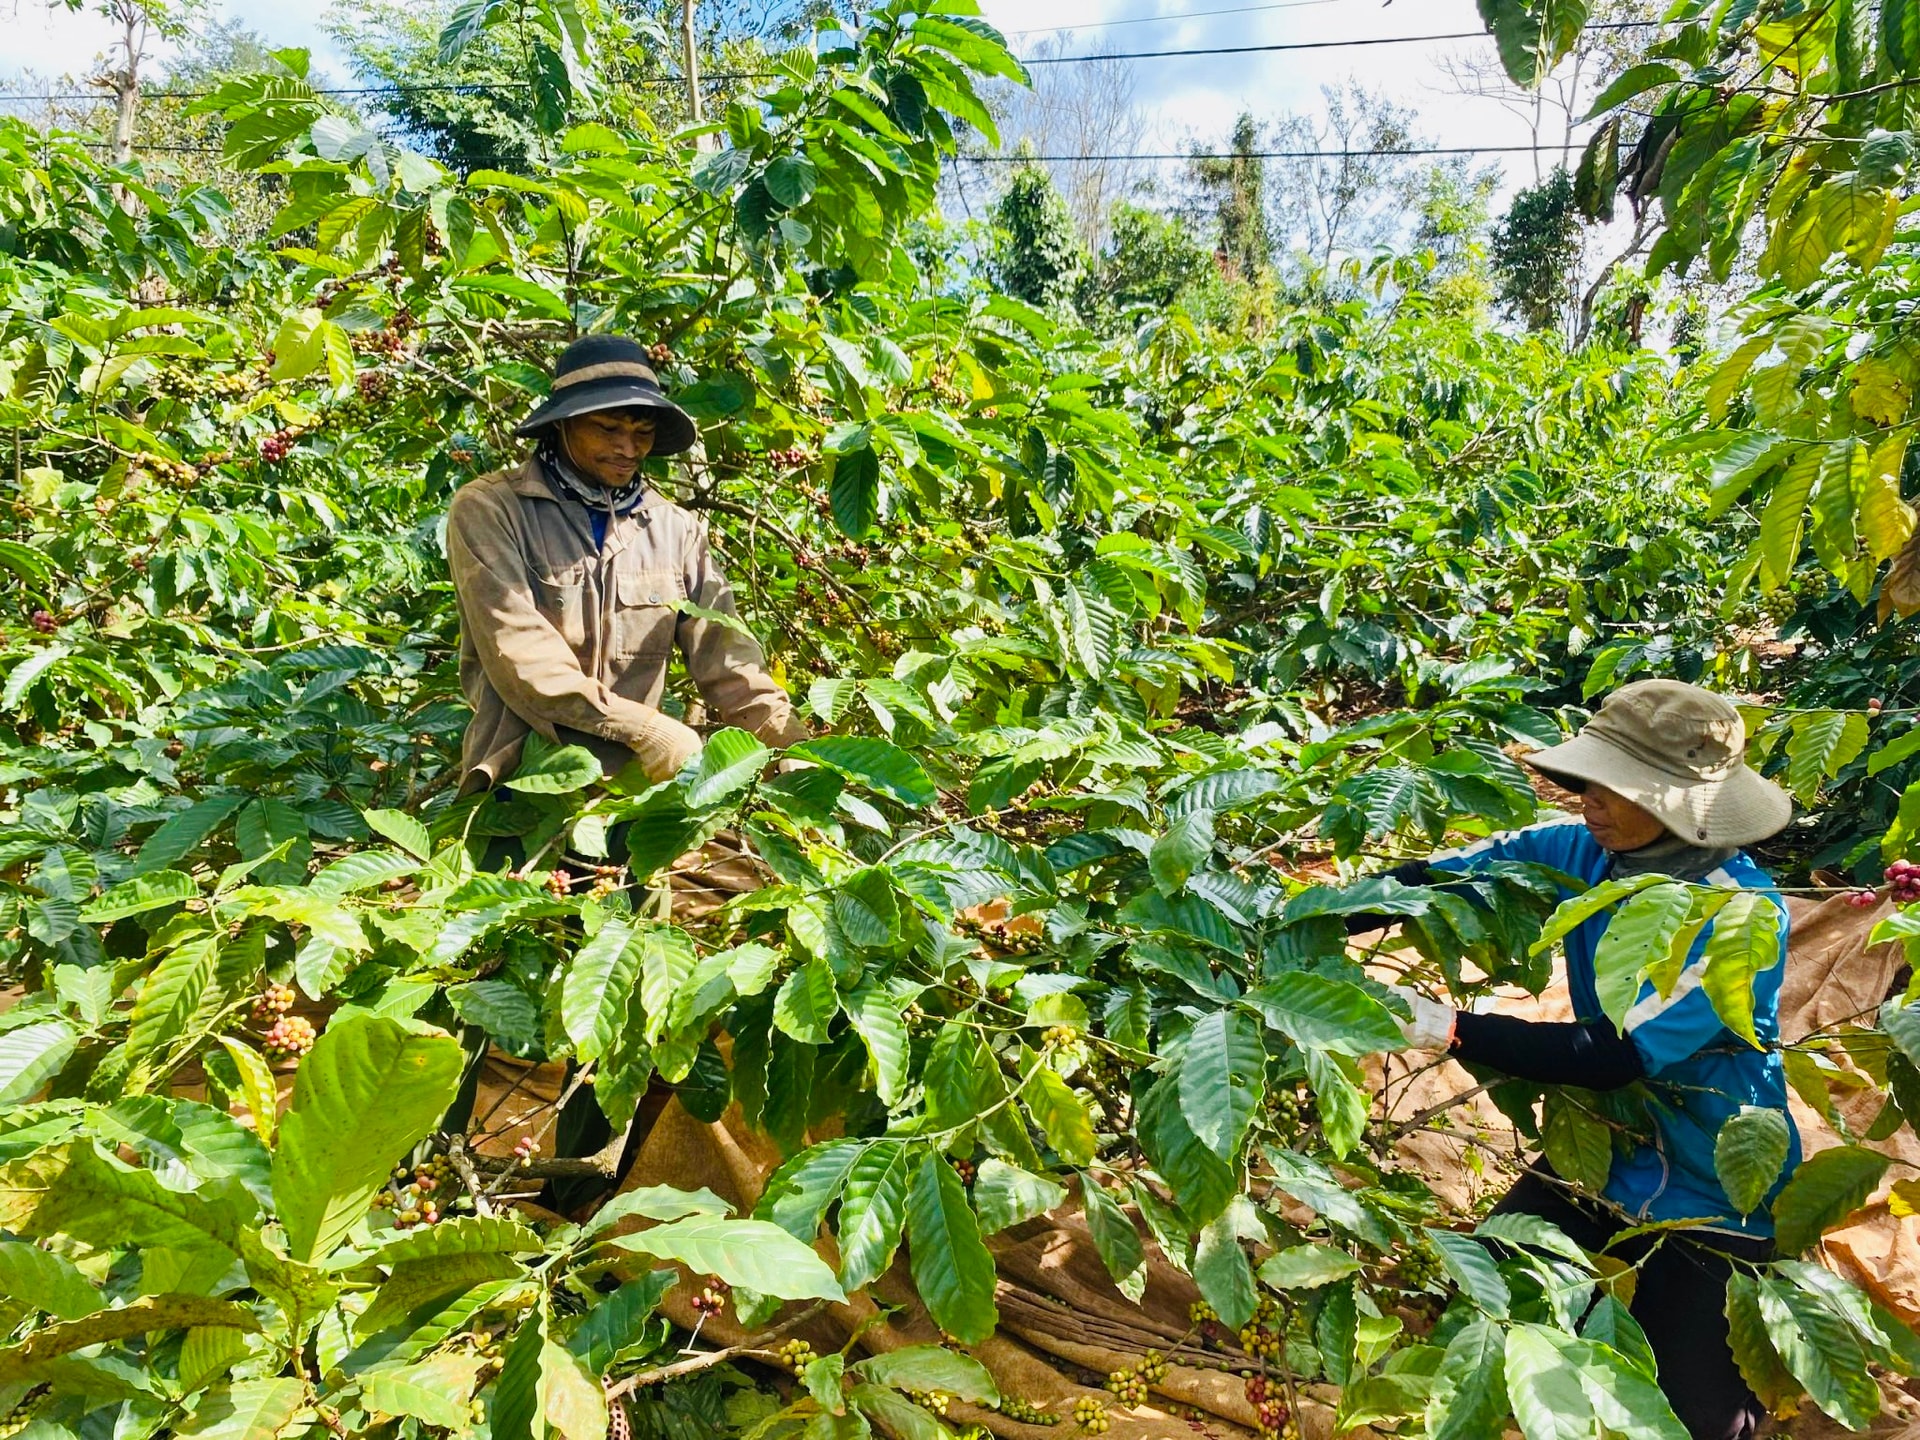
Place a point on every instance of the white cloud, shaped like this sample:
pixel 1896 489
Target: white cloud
pixel 51 41
pixel 1200 96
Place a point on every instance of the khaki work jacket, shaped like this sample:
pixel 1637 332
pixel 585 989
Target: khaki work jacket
pixel 573 640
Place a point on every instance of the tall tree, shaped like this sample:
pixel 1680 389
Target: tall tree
pixel 1038 256
pixel 1355 193
pixel 1235 188
pixel 1536 253
pixel 1088 114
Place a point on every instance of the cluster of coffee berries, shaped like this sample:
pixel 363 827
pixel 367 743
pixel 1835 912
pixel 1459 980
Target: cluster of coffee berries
pixel 1862 899
pixel 525 1148
pixel 289 1039
pixel 1127 1386
pixel 272 1003
pixel 1060 1035
pixel 796 1355
pixel 20 1415
pixel 660 353
pixel 45 621
pixel 934 1400
pixel 1271 1413
pixel 277 446
pixel 1001 935
pixel 477 1411
pixel 414 1203
pixel 792 458
pixel 420 1212
pixel 1015 1407
pixel 1904 877
pixel 606 880
pixel 1418 1268
pixel 1261 1340
pixel 965 1170
pixel 175 472
pixel 429 1175
pixel 1201 1313
pixel 188 383
pixel 712 1298
pixel 941 383
pixel 390 341
pixel 559 884
pixel 1090 1415
pixel 1290 1108
pixel 1152 1367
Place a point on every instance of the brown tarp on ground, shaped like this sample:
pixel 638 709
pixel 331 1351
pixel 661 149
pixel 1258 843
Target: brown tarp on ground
pixel 1063 1323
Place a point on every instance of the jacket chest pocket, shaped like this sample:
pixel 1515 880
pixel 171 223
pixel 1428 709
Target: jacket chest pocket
pixel 647 613
pixel 562 592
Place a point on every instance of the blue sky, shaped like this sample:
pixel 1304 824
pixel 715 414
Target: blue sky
pixel 1185 98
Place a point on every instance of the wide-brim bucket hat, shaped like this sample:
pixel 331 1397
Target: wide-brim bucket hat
pixel 1678 752
pixel 611 372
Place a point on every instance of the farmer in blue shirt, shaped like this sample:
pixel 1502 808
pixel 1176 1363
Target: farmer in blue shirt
pixel 1664 789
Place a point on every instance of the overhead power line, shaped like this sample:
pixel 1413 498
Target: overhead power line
pixel 1165 19
pixel 461 86
pixel 1417 150
pixel 1309 45
pixel 1282 46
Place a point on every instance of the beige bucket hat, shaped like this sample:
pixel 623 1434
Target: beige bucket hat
pixel 1679 752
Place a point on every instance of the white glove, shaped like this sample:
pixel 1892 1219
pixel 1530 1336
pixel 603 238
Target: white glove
pixel 1431 1027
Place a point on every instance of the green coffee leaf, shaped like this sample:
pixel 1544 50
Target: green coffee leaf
pixel 928 1368
pixel 1748 1153
pixel 44 1281
pixel 1307 1267
pixel 595 989
pixel 1473 1270
pixel 729 762
pixel 1579 1143
pixel 1821 1350
pixel 1326 1013
pixel 874 1212
pixel 1222 1078
pixel 154 890
pixel 245 1410
pixel 752 1254
pixel 1060 1114
pixel 1545 1388
pixel 878 764
pixel 1115 1238
pixel 952 1268
pixel 1005 1195
pixel 368 1090
pixel 1822 1192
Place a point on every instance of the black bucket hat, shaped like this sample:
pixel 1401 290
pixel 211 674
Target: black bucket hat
pixel 611 372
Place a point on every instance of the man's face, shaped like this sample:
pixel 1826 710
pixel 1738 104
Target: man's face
pixel 1616 822
pixel 608 445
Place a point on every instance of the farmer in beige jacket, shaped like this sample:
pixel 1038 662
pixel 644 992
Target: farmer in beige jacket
pixel 575 582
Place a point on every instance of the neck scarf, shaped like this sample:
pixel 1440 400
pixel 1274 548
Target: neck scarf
pixel 570 484
pixel 1670 855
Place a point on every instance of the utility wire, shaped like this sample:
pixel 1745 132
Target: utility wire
pixel 1185 15
pixel 1416 150
pixel 1290 45
pixel 1310 45
pixel 451 86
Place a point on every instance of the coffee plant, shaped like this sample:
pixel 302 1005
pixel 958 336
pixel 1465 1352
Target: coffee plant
pixel 1129 656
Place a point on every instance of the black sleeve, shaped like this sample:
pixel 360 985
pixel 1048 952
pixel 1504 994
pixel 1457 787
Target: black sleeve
pixel 1591 1054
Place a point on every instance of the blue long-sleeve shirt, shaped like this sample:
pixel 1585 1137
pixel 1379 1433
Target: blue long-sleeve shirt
pixel 1699 1073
